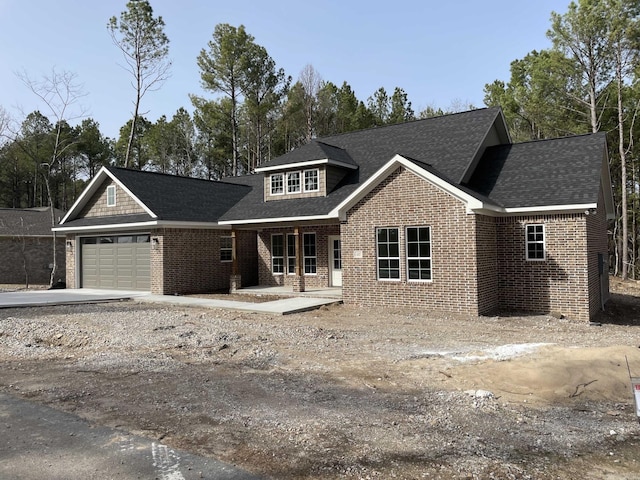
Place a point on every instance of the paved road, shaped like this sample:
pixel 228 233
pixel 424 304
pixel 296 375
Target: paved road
pixel 40 443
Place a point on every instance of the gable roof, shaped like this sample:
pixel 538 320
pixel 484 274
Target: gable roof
pixel 164 198
pixel 562 171
pixel 467 154
pixel 30 222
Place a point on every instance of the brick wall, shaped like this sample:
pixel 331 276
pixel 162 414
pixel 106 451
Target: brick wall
pixel 319 280
pixel 97 205
pixel 404 200
pixel 188 261
pixel 38 254
pixel 597 244
pixel 559 283
pixel 487 261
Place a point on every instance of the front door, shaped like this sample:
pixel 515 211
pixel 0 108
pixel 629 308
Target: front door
pixel 335 261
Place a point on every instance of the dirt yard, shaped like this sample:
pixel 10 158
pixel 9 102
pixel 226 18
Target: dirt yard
pixel 345 393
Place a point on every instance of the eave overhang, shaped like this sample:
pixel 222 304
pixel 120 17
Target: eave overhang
pixel 307 164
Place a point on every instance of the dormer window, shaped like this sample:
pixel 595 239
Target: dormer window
pixel 293 182
pixel 311 183
pixel 277 184
pixel 111 196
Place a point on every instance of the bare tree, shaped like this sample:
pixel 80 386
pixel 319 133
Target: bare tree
pixel 310 80
pixel 60 93
pixel 145 48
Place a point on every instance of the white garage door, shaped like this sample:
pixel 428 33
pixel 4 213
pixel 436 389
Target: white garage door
pixel 119 262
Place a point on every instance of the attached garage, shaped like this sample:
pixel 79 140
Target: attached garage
pixel 119 262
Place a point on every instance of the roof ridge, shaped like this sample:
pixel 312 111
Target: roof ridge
pixel 566 137
pixel 174 176
pixel 416 120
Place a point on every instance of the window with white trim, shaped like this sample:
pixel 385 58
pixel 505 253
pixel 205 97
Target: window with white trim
pixel 277 253
pixel 111 196
pixel 311 180
pixel 535 242
pixel 388 252
pixel 291 254
pixel 277 184
pixel 293 182
pixel 418 253
pixel 226 249
pixel 310 254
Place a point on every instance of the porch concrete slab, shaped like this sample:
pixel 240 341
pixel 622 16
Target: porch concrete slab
pixel 283 306
pixel 39 298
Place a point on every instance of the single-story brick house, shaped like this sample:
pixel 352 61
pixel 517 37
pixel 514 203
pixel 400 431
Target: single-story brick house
pixel 444 213
pixel 26 245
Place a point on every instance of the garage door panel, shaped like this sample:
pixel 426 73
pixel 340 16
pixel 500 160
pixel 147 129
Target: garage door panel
pixel 116 262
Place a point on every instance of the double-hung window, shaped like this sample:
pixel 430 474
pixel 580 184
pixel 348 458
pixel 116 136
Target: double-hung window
pixel 226 249
pixel 291 254
pixel 277 253
pixel 418 253
pixel 293 182
pixel 388 252
pixel 277 184
pixel 310 253
pixel 311 182
pixel 535 242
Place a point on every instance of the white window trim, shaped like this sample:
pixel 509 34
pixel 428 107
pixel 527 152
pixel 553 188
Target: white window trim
pixel 430 257
pixel 304 180
pixel 291 235
pixel 230 249
pixel 111 192
pixel 282 179
pixel 304 256
pixel 527 242
pixel 273 257
pixel 399 279
pixel 290 174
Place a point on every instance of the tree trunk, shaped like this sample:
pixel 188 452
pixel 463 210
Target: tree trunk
pixel 623 172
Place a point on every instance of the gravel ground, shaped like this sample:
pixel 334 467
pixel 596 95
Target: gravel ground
pixel 343 392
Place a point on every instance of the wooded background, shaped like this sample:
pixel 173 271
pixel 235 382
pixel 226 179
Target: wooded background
pixel 588 81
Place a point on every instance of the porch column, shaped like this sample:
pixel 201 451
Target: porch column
pixel 298 280
pixel 235 282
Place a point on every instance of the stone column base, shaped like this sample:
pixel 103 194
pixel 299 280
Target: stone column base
pixel 235 283
pixel 298 284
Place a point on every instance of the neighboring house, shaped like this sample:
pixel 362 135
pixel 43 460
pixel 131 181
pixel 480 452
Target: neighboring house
pixel 444 214
pixel 26 246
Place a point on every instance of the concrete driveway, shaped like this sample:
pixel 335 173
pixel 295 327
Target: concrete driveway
pixel 38 298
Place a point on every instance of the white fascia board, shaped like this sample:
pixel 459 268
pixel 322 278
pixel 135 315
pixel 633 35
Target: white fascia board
pixel 340 211
pixel 253 221
pixel 141 225
pixel 93 187
pixel 310 163
pixel 88 191
pixel 537 210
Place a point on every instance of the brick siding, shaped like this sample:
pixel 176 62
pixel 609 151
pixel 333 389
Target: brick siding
pixel 188 261
pixel 402 200
pixel 38 254
pixel 559 284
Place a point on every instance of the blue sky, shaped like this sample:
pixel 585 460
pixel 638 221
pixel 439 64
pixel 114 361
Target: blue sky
pixel 438 52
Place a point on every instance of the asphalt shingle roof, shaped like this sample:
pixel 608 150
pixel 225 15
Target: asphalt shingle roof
pixel 562 171
pixel 181 198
